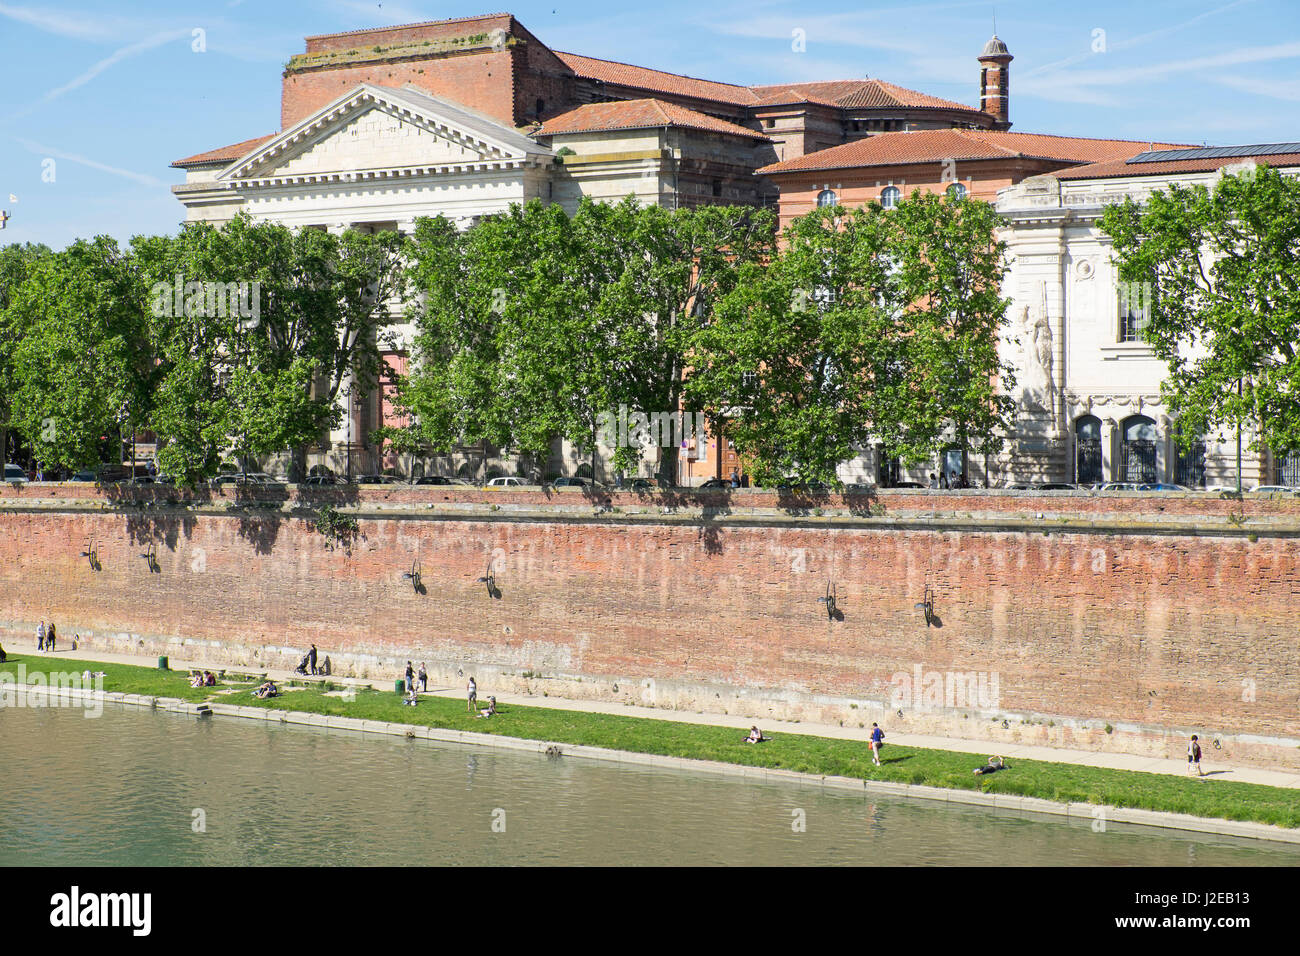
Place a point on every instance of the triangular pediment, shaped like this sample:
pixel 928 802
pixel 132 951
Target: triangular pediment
pixel 377 130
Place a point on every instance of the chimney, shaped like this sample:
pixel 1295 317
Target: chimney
pixel 995 68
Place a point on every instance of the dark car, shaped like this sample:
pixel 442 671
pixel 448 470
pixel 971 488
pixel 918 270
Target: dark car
pixel 318 480
pixel 1057 486
pixel 433 480
pixel 907 484
pixel 574 483
pixel 377 480
pixel 716 483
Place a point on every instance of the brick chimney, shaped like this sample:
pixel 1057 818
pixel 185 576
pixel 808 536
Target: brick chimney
pixel 995 68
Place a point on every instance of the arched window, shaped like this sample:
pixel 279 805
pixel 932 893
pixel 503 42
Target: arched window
pixel 827 197
pixel 1138 458
pixel 956 192
pixel 1189 469
pixel 1087 450
pixel 889 196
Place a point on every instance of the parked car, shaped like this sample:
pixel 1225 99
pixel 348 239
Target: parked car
pixel 1161 486
pixel 715 483
pixel 378 480
pixel 433 480
pixel 1119 486
pixel 84 475
pixel 907 484
pixel 646 484
pixel 15 473
pixel 573 483
pixel 1056 486
pixel 1283 489
pixel 318 480
pixel 506 482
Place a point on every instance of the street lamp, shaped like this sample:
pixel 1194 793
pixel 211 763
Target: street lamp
pixel 927 607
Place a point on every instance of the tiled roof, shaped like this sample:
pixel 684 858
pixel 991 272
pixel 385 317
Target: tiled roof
pixel 937 145
pixel 857 94
pixel 226 154
pixel 638 114
pixel 624 74
pixel 1115 169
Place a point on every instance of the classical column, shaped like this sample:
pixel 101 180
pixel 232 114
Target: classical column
pixel 1109 450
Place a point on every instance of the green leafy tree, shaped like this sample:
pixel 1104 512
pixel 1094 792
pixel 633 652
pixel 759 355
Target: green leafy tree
pixel 871 327
pixel 84 368
pixel 16 262
pixel 803 356
pixel 304 318
pixel 948 283
pixel 1217 272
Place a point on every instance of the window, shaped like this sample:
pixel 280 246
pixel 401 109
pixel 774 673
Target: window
pixel 541 107
pixel 1189 467
pixel 717 187
pixel 956 192
pixel 1087 450
pixel 1138 461
pixel 1288 468
pixel 827 197
pixel 889 197
pixel 1135 300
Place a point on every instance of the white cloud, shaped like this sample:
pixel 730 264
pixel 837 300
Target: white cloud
pixel 1275 89
pixel 41 150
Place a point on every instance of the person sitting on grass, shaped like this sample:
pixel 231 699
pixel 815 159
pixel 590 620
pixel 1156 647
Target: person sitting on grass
pixel 491 708
pixel 267 691
pixel 756 736
pixel 411 698
pixel 196 679
pixel 994 765
pixel 209 679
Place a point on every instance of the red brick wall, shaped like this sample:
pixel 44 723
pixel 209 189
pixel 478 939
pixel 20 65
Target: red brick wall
pixel 482 81
pixel 1160 630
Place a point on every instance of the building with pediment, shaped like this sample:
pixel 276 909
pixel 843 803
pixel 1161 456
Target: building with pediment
pixel 465 117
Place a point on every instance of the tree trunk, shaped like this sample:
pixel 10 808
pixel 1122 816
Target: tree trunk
pixel 298 464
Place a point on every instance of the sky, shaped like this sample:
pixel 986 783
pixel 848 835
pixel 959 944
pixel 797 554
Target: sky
pixel 97 99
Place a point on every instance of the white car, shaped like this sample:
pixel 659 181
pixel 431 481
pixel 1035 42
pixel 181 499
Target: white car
pixel 1284 489
pixel 15 473
pixel 506 483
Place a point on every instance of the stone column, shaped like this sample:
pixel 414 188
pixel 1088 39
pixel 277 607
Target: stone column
pixel 1109 449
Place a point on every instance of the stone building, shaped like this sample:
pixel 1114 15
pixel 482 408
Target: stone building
pixel 465 117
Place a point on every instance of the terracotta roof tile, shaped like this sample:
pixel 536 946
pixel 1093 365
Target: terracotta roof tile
pixel 936 145
pixel 859 94
pixel 226 154
pixel 640 77
pixel 638 114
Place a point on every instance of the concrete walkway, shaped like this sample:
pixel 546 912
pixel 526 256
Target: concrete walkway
pixel 741 722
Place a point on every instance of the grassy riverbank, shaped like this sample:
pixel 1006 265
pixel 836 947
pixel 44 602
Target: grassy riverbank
pixel 1205 797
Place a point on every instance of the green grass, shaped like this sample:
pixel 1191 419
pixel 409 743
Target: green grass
pixel 1205 797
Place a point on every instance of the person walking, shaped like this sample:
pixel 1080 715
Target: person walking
pixel 472 688
pixel 423 677
pixel 1194 756
pixel 40 637
pixel 49 638
pixel 877 741
pixel 311 659
pixel 410 676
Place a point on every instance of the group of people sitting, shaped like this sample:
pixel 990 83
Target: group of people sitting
pixel 203 679
pixel 267 691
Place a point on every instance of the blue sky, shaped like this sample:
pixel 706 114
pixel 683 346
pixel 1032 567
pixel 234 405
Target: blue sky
pixel 105 95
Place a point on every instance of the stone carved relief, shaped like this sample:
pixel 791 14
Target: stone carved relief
pixel 1038 391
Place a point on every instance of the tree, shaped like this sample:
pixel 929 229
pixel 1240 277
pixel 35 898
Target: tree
pixel 870 327
pixel 84 368
pixel 261 328
pixel 16 263
pixel 1218 274
pixel 535 324
pixel 948 283
pixel 802 357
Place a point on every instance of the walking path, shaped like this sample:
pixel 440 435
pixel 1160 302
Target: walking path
pixel 1086 758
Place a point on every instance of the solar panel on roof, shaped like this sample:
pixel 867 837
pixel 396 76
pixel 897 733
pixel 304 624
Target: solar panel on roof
pixel 1214 152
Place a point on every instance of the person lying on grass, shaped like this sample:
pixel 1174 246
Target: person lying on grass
pixel 756 736
pixel 995 764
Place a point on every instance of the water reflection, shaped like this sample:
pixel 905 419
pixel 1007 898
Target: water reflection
pixel 122 790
